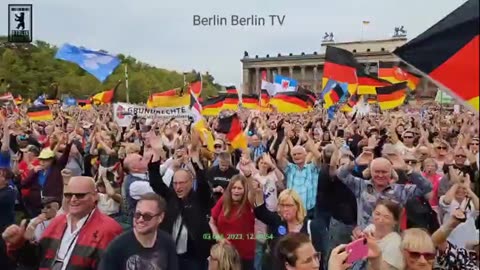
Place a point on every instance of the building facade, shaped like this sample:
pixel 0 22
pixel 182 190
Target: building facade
pixel 307 69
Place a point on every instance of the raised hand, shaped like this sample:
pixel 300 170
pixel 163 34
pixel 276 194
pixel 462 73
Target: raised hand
pixel 14 233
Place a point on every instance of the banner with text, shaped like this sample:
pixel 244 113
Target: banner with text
pixel 123 113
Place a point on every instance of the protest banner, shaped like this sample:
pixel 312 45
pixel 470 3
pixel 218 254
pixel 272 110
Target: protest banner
pixel 123 113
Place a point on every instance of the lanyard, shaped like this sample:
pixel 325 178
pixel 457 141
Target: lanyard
pixel 70 245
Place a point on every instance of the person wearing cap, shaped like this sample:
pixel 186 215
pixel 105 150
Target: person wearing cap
pixel 46 179
pixel 36 227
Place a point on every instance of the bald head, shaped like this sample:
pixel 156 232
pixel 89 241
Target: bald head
pixel 299 149
pixel 381 163
pixel 81 183
pixel 182 183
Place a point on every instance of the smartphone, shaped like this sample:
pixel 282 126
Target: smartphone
pixel 340 133
pixel 358 250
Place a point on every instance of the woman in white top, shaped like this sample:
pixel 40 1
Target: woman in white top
pixel 108 199
pixel 460 195
pixel 386 216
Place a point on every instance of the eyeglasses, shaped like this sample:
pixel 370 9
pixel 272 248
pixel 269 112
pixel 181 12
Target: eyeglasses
pixel 217 146
pixel 144 216
pixel 416 255
pixel 79 196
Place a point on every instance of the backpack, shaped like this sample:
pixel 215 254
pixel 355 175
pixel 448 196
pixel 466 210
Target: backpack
pixel 419 214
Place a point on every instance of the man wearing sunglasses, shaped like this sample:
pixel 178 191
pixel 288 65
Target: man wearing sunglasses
pixel 72 241
pixel 145 246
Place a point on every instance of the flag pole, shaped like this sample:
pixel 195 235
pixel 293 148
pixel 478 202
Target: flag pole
pixel 126 84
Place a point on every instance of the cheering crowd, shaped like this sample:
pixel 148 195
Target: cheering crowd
pixel 381 190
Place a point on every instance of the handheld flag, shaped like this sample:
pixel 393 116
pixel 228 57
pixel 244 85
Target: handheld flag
pixel 340 66
pixel 392 96
pixel 284 84
pixel 99 64
pixel 39 113
pixel 448 53
pixel 232 127
pixel 168 99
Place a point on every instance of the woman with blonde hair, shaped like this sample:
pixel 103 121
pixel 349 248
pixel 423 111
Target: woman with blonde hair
pixel 224 256
pixel 290 217
pixel 232 220
pixel 418 249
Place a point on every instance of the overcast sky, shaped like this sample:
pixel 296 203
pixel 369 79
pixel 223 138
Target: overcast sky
pixel 161 33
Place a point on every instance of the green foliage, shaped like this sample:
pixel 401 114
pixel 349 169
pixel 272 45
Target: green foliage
pixel 30 70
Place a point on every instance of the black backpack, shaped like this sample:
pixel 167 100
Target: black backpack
pixel 421 215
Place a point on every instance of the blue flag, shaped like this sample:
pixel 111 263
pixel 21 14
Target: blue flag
pixel 99 64
pixel 331 112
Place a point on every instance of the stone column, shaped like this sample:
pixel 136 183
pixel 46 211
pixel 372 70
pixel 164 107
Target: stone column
pixel 246 80
pixel 269 76
pixel 257 80
pixel 315 78
pixel 290 72
pixel 279 71
pixel 303 73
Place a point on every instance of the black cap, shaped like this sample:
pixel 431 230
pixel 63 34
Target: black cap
pixel 48 200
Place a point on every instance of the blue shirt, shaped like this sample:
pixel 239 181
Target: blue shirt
pixel 304 181
pixel 42 177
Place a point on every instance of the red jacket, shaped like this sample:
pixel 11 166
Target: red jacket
pixel 92 241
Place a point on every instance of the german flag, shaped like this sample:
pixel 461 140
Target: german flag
pixel 367 84
pixel 195 87
pixel 232 127
pixel 231 90
pixel 352 101
pixel 334 94
pixel 168 99
pixel 311 95
pixel 448 53
pixel 398 72
pixel 213 106
pixel 39 113
pixel 84 104
pixel 392 96
pixel 106 96
pixel 231 101
pixel 250 101
pixel 291 102
pixel 341 66
pixel 264 98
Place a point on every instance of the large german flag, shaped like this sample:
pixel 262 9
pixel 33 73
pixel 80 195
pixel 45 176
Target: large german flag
pixel 398 72
pixel 392 96
pixel 231 101
pixel 250 101
pixel 341 66
pixel 168 99
pixel 39 113
pixel 291 102
pixel 448 53
pixel 231 89
pixel 212 106
pixel 367 84
pixel 232 127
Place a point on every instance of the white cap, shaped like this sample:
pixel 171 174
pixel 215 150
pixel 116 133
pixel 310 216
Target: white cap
pixel 139 188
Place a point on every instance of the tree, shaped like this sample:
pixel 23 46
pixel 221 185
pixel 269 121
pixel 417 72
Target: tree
pixel 30 69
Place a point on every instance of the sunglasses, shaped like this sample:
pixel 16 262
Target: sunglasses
pixel 416 255
pixel 411 162
pixel 217 146
pixel 144 216
pixel 441 148
pixel 79 196
pixel 460 156
pixel 408 137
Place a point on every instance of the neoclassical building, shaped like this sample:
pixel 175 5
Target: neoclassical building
pixel 307 69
